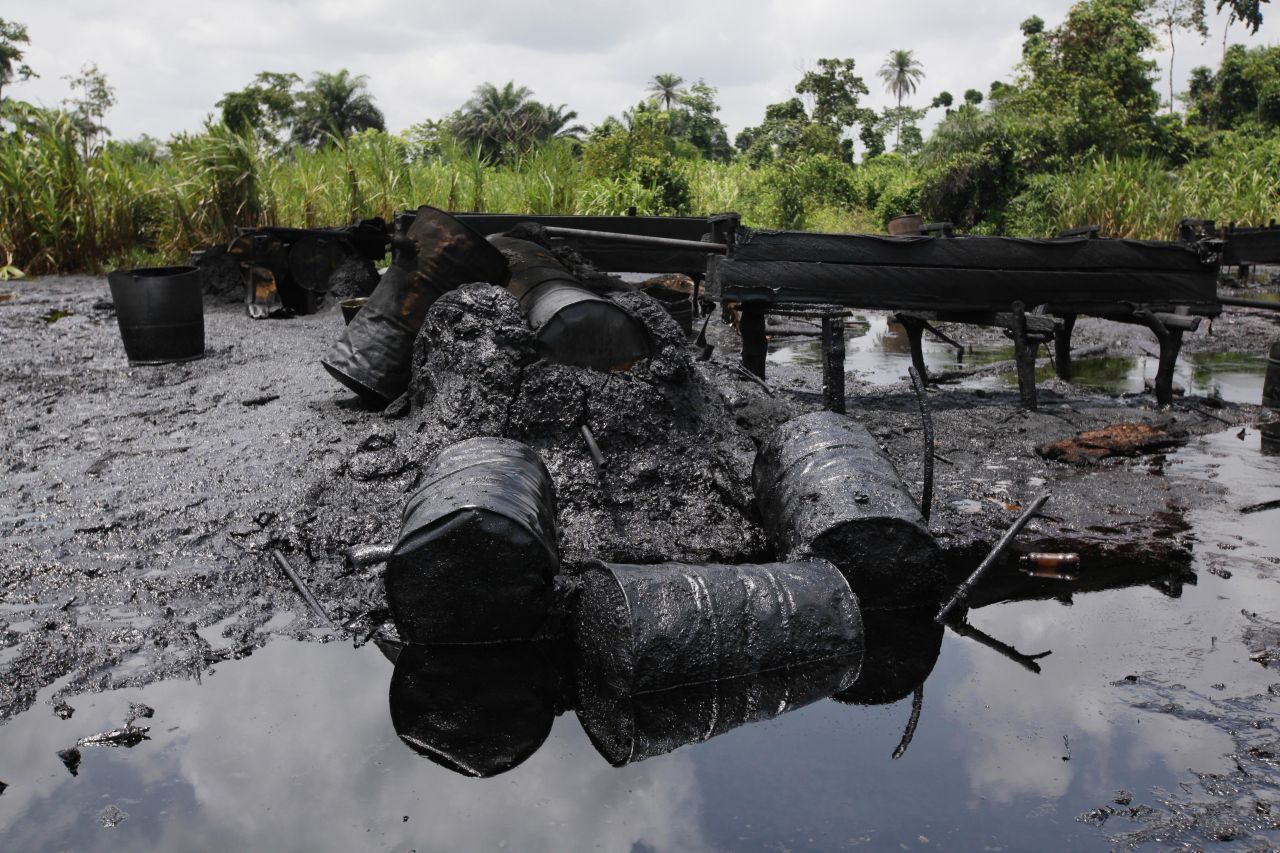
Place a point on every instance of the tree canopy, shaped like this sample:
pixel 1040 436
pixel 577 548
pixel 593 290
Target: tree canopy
pixel 334 105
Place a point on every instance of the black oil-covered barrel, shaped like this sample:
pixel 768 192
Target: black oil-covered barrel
pixel 642 629
pixel 479 710
pixel 629 728
pixel 1271 382
pixel 902 648
pixel 477 549
pixel 374 354
pixel 572 325
pixel 824 488
pixel 161 313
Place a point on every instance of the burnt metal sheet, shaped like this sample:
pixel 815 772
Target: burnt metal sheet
pixel 1251 245
pixel 313 259
pixel 477 547
pixel 374 354
pixel 962 289
pixel 1078 253
pixel 824 488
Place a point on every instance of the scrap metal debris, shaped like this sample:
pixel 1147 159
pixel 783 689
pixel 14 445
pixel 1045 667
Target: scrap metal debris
pixel 1130 439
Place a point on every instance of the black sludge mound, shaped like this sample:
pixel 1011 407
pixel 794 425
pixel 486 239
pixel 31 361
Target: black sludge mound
pixel 824 488
pixel 676 484
pixel 477 548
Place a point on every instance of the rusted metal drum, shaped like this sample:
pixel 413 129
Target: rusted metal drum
pixel 1271 382
pixel 374 355
pixel 910 225
pixel 629 728
pixel 825 489
pixel 572 325
pixel 478 710
pixel 477 549
pixel 161 313
pixel 642 629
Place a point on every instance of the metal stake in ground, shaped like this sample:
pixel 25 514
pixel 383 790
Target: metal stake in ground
pixel 991 559
pixel 926 492
pixel 302 588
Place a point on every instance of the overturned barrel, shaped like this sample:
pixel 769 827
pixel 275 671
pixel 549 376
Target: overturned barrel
pixel 477 549
pixel 642 629
pixel 626 728
pixel 824 488
pixel 479 710
pixel 572 325
pixel 374 354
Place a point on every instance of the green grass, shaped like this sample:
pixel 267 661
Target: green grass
pixel 62 209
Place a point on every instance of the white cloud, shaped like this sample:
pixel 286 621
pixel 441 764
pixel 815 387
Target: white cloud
pixel 171 62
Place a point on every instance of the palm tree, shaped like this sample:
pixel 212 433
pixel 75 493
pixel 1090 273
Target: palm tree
pixel 666 88
pixel 336 104
pixel 900 73
pixel 501 121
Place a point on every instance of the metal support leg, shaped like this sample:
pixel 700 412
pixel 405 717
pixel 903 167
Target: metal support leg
pixel 1025 354
pixel 915 337
pixel 755 345
pixel 833 364
pixel 1170 345
pixel 1062 347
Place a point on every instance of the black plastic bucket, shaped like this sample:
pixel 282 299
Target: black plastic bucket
pixel 161 313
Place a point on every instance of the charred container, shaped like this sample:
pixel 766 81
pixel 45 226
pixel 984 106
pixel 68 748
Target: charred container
pixel 479 710
pixel 825 489
pixel 477 549
pixel 572 325
pixel 373 357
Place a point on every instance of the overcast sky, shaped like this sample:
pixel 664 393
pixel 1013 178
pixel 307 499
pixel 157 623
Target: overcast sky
pixel 170 61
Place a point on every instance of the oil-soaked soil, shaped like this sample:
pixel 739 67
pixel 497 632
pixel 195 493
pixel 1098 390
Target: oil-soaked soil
pixel 142 504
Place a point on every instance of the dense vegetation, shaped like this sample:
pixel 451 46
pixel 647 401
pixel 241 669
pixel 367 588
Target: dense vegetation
pixel 1077 135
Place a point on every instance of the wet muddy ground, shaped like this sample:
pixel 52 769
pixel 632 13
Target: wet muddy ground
pixel 141 505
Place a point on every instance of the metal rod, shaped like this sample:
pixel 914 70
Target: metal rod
pixel 926 492
pixel 742 370
pixel 359 556
pixel 1249 303
pixel 301 586
pixel 594 449
pixel 964 629
pixel 917 705
pixel 991 558
pixel 639 240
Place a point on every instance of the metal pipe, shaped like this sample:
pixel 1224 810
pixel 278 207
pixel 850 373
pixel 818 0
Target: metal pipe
pixel 991 558
pixel 596 456
pixel 302 588
pixel 639 240
pixel 1249 303
pixel 360 556
pixel 926 491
